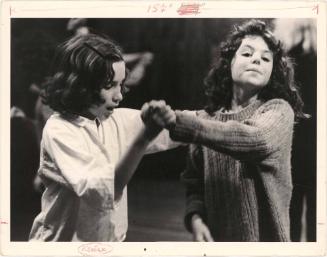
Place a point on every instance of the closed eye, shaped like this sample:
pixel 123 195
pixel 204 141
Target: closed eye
pixel 246 54
pixel 108 86
pixel 111 85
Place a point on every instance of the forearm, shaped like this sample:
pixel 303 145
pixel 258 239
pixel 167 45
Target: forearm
pixel 129 161
pixel 213 133
pixel 251 138
pixel 193 179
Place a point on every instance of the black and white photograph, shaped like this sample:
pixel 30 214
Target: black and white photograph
pixel 163 129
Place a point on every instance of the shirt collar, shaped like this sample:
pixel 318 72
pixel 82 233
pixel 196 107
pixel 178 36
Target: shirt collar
pixel 80 120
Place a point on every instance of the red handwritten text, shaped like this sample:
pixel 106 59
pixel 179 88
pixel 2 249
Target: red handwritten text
pixel 316 9
pixel 94 249
pixel 188 9
pixel 3 222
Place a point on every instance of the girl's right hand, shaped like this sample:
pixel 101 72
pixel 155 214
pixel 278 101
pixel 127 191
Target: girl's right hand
pixel 156 116
pixel 201 232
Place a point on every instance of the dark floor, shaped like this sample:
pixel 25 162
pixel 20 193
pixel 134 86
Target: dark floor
pixel 156 209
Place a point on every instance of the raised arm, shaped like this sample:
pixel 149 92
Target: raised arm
pixel 155 119
pixel 253 138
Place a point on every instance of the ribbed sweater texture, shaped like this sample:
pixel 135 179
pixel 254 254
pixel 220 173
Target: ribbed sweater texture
pixel 238 175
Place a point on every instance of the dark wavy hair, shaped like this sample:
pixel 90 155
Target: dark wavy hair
pixel 82 67
pixel 218 83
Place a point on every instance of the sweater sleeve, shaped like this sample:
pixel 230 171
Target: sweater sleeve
pixel 66 161
pixel 193 179
pixel 251 139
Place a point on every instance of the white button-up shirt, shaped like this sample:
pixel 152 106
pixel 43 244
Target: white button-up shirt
pixel 77 164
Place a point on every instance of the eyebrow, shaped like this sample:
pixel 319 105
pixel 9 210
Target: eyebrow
pixel 265 51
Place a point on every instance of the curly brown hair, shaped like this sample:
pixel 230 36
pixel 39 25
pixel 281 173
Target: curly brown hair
pixel 218 83
pixel 82 67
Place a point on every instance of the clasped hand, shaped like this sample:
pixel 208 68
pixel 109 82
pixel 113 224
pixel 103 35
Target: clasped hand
pixel 157 115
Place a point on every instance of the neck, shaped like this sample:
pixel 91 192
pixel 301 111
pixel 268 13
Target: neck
pixel 242 98
pixel 87 114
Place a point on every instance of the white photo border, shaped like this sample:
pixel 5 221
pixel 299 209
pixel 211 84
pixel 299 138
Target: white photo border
pixel 170 9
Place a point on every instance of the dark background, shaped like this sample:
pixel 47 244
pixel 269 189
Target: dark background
pixel 183 51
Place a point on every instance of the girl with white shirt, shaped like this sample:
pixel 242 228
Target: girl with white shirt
pixel 89 150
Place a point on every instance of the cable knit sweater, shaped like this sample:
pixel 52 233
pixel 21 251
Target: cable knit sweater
pixel 238 175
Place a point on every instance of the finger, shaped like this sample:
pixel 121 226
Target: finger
pixel 159 104
pixel 152 105
pixel 164 110
pixel 167 116
pixel 198 237
pixel 145 111
pixel 145 107
pixel 158 120
pixel 208 237
pixel 171 122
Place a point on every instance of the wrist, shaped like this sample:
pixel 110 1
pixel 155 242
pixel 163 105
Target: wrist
pixel 150 132
pixel 147 135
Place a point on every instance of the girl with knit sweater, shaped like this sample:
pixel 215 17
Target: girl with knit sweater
pixel 238 175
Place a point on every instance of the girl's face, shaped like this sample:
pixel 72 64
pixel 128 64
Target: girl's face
pixel 252 64
pixel 112 95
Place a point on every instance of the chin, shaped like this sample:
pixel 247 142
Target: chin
pixel 108 114
pixel 256 84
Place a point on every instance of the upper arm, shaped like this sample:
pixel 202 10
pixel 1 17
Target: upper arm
pixel 88 174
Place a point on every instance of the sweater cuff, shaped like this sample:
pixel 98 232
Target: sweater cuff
pixel 185 129
pixel 196 207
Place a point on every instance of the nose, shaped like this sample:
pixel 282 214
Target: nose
pixel 118 97
pixel 256 58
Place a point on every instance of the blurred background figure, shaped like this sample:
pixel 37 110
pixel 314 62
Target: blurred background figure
pixel 139 60
pixel 300 33
pixel 24 160
pixel 299 37
pixel 78 26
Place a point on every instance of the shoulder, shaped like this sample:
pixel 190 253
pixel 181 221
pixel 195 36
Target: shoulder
pixel 125 118
pixel 277 105
pixel 56 125
pixel 125 115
